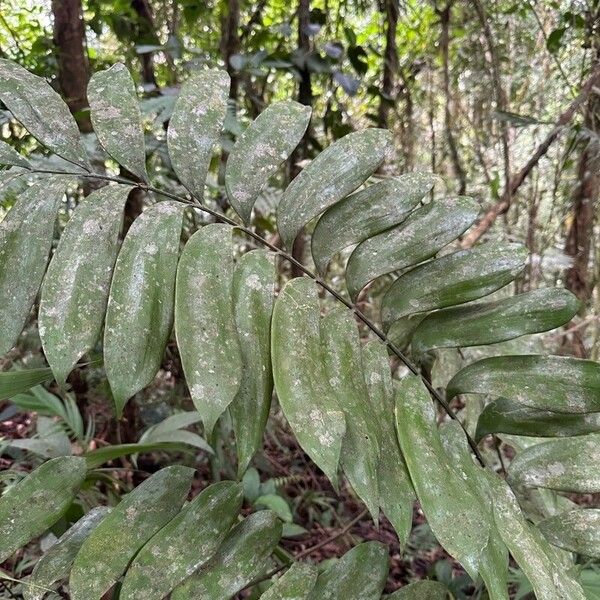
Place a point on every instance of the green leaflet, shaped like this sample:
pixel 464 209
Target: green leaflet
pixel 506 416
pixel 260 150
pixel 295 584
pixel 556 383
pixel 75 289
pixel 427 230
pixel 452 279
pixel 565 464
pixel 195 126
pixel 420 590
pixel 117 119
pixel 493 566
pixel 109 549
pixel 204 322
pixel 99 456
pixel 396 493
pixel 542 565
pixel 139 315
pixel 42 111
pixel 303 388
pixel 331 176
pixel 366 213
pixel 56 562
pixel 16 382
pixel 184 544
pixel 576 531
pixel 25 239
pixel 241 558
pixel 491 322
pixel 359 575
pixel 9 156
pixel 33 505
pixel 170 430
pixel 453 511
pixel 253 290
pixel 343 365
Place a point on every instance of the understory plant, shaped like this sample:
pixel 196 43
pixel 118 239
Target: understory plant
pixel 239 342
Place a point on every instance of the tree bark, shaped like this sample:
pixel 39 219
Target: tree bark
pixel 146 32
pixel 230 43
pixel 390 64
pixel 73 64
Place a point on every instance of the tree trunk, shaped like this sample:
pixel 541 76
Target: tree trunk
pixel 230 43
pixel 73 64
pixel 146 33
pixel 390 64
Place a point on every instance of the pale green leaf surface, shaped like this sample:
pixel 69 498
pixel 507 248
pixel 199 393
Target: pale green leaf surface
pixel 56 562
pixel 564 464
pixel 241 558
pixel 139 315
pixel 277 504
pixel 75 289
pixel 265 144
pixel 305 394
pixel 295 584
pixel 452 509
pixel 117 119
pixel 253 292
pixel 366 213
pixel 343 365
pixel 396 493
pixel 184 544
pixel 452 279
pixel 42 111
pixel 111 546
pixel 16 382
pixel 204 322
pixel 195 126
pixel 535 556
pixel 497 321
pixel 575 531
pixel 34 504
pixel 557 383
pixel 420 590
pixel 336 172
pixel 427 230
pixel 99 456
pixel 9 156
pixel 26 234
pixel 358 575
pixel 507 416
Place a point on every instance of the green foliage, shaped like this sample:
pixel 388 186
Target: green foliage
pixel 235 341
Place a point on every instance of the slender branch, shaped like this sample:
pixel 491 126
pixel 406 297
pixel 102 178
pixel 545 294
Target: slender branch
pixel 194 202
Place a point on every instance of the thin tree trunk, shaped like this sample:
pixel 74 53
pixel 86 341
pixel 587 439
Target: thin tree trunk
pixel 459 171
pixel 73 64
pixel 390 64
pixel 146 32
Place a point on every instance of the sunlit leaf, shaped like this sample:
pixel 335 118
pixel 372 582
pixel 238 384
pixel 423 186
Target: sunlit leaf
pixel 303 388
pixel 253 293
pixel 186 543
pixel 490 322
pixel 75 289
pixel 109 549
pixel 295 584
pixel 42 111
pixel 260 150
pixel 453 279
pixel 31 506
pixel 241 558
pixel 26 235
pixel 56 562
pixel 336 172
pixel 575 531
pixel 343 365
pixel 139 315
pixel 427 230
pixel 117 119
pixel 557 383
pixel 565 464
pixel 195 126
pixel 204 322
